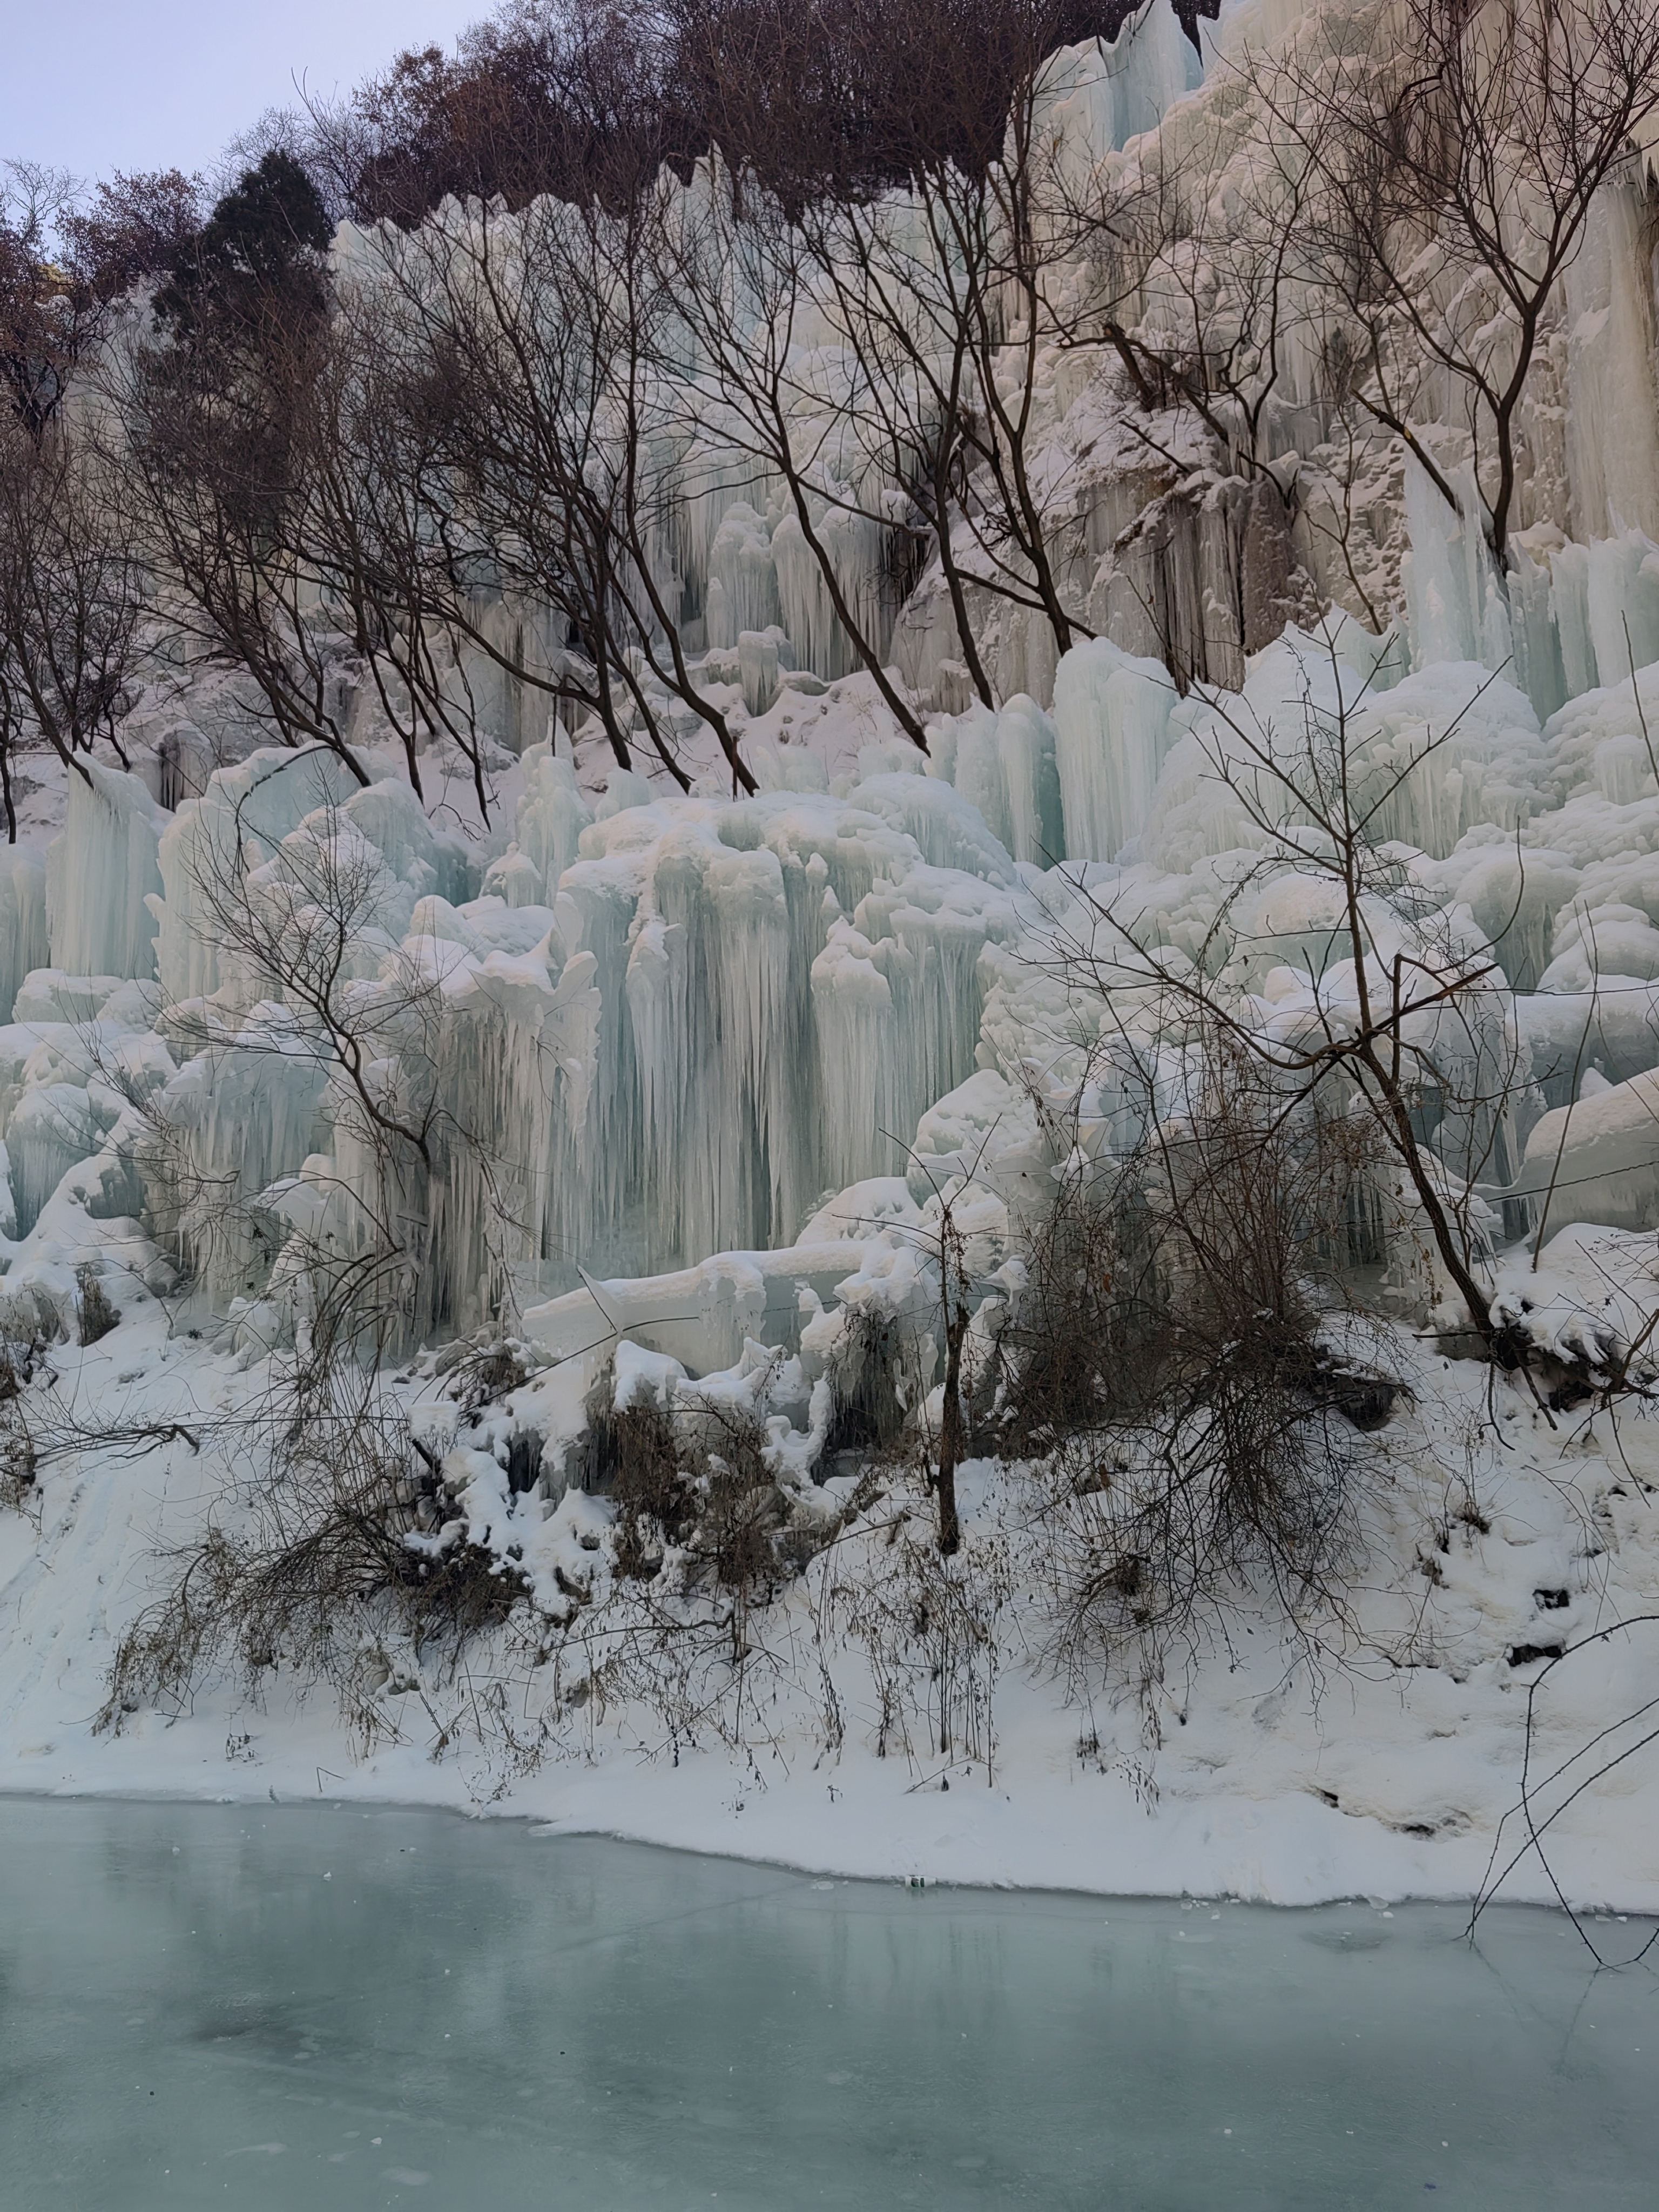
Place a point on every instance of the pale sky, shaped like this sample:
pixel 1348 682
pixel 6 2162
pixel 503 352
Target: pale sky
pixel 97 85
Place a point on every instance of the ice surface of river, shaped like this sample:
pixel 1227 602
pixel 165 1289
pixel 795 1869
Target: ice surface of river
pixel 320 2007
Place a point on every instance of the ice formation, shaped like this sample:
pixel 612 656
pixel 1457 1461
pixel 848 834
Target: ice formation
pixel 639 1028
pixel 666 1085
pixel 670 1024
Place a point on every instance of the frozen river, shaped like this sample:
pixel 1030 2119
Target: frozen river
pixel 322 2007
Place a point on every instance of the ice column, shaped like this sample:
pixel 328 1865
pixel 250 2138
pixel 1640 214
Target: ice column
pixel 1454 600
pixel 1003 765
pixel 552 814
pixel 742 583
pixel 1612 414
pixel 207 848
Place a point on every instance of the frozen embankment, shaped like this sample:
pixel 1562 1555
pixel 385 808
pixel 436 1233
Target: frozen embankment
pixel 1388 1776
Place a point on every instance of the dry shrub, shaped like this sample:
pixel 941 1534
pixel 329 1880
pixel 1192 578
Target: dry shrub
pixel 1173 1360
pixel 700 1485
pixel 29 1325
pixel 332 1564
pixel 1081 1346
pixel 868 1414
pixel 928 1626
pixel 704 1538
pixel 740 1523
pixel 348 1547
pixel 635 1457
pixel 490 1372
pixel 18 1488
pixel 743 1508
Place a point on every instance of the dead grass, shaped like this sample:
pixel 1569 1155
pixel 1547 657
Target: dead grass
pixel 29 1326
pixel 699 1485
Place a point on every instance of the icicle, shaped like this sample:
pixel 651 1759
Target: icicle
pixel 855 544
pixel 51 1130
pixel 1595 1159
pixel 762 654
pixel 514 877
pixel 100 875
pixel 1455 600
pixel 1112 725
pixel 740 563
pixel 552 815
pixel 1622 604
pixel 24 940
pixel 204 850
pixel 1612 407
pixel 1004 765
pixel 947 829
pixel 244 1113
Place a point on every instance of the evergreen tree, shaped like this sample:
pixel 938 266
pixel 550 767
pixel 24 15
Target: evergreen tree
pixel 257 264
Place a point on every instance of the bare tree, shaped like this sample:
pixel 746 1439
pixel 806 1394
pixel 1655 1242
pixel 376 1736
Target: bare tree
pixel 919 282
pixel 71 593
pixel 45 326
pixel 884 169
pixel 373 494
pixel 65 265
pixel 211 483
pixel 744 281
pixel 562 98
pixel 532 342
pixel 1403 1023
pixel 1453 153
pixel 134 226
pixel 212 441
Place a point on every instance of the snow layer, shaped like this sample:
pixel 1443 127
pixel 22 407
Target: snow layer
pixel 1390 1780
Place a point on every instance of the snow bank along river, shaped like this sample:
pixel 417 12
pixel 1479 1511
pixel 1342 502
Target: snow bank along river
pixel 332 2008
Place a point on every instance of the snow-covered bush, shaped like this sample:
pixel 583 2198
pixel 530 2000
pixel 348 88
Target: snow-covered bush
pixel 328 1568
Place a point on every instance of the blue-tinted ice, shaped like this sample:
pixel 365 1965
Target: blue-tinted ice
pixel 328 2008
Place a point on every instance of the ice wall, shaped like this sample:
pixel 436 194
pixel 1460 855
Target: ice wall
pixel 783 981
pixel 1189 548
pixel 669 1025
pixel 1093 98
pixel 690 1019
